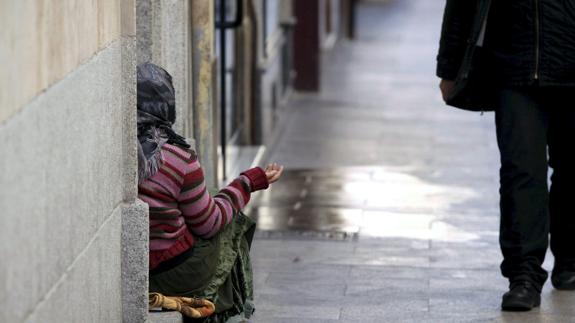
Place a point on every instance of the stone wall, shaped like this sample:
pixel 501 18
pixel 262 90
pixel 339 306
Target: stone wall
pixel 163 30
pixel 42 41
pixel 68 167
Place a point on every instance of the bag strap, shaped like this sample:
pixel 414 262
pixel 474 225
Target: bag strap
pixel 479 23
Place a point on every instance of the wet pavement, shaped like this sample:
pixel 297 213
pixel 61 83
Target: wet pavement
pixel 388 210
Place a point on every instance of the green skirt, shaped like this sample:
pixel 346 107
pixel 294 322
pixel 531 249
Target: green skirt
pixel 219 270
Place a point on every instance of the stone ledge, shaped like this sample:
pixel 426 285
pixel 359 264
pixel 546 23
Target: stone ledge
pixel 165 317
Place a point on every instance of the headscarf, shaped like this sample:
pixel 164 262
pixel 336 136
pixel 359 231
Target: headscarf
pixel 156 115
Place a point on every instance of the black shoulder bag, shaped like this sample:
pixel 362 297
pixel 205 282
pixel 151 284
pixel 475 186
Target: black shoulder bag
pixel 473 89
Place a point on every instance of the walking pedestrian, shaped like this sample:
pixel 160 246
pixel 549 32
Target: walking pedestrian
pixel 520 54
pixel 199 244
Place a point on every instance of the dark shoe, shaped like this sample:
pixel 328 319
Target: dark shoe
pixel 522 296
pixel 563 280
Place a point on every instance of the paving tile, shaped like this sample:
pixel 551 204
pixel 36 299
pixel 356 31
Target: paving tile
pixel 558 302
pixel 302 313
pixel 298 252
pixel 304 218
pixel 464 279
pixel 320 197
pixel 271 319
pixel 532 317
pixel 398 225
pixel 466 257
pixel 301 290
pixel 370 259
pixel 372 274
pixel 265 300
pixel 464 301
pixel 315 274
pixel 260 278
pixel 388 310
pixel 389 287
pixel 395 242
pixel 393 252
pixel 165 317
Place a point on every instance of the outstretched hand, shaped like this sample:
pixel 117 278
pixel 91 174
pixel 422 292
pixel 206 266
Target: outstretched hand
pixel 274 172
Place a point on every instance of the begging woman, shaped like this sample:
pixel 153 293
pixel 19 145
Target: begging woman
pixel 199 244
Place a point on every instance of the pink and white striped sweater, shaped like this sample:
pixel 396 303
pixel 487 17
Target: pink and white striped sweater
pixel 181 207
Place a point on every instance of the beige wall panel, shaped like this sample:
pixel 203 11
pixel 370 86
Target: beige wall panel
pixel 43 40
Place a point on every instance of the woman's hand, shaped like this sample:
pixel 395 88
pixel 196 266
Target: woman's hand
pixel 273 172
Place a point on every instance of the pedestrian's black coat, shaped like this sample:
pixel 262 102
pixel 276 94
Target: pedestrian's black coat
pixel 528 41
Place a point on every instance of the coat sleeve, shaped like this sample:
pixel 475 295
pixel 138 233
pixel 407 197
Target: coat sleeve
pixel 455 32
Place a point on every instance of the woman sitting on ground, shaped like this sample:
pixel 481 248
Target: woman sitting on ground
pixel 199 245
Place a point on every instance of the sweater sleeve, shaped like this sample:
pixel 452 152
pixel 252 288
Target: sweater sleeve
pixel 206 215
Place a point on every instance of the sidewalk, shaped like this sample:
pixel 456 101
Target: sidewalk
pixel 388 211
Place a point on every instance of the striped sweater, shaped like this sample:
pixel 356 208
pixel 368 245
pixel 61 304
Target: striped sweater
pixel 181 207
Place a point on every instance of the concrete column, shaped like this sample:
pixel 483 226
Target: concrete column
pixel 135 242
pixel 203 65
pixel 129 128
pixel 134 213
pixel 246 52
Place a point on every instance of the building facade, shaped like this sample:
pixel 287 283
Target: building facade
pixel 68 167
pixel 74 239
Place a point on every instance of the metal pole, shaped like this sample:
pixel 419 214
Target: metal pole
pixel 223 123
